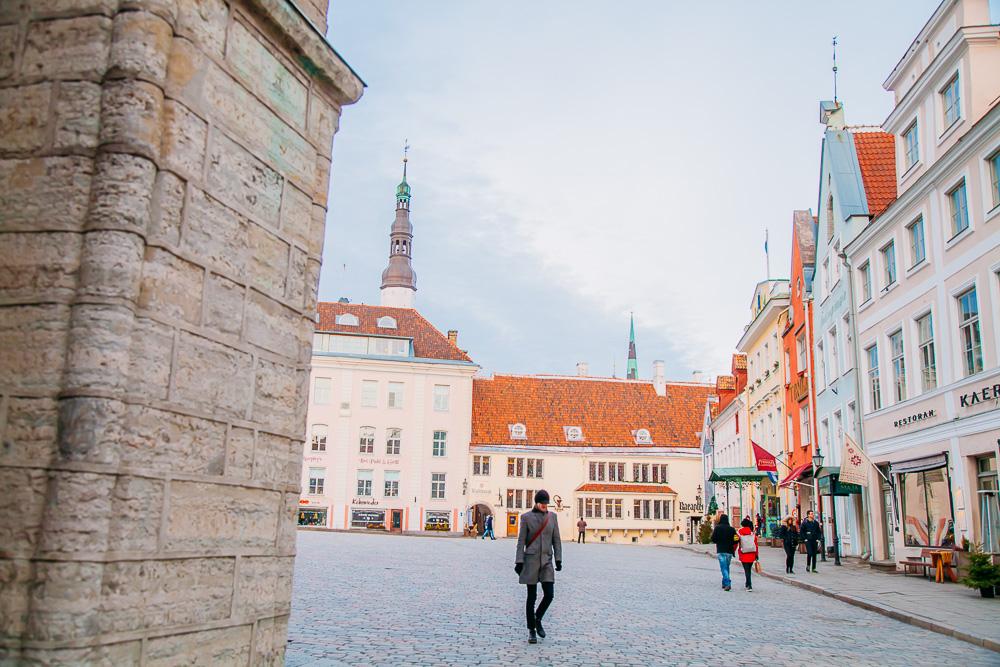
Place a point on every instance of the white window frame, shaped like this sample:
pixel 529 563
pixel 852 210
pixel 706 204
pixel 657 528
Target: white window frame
pixel 951 113
pixel 439 443
pixel 442 397
pixel 317 481
pixel 320 433
pixel 322 391
pixel 926 353
pixel 911 231
pixel 394 395
pixel 911 148
pixel 953 210
pixel 438 485
pixel 369 393
pixel 391 477
pixel 897 362
pixel 393 441
pixel 890 271
pixel 365 481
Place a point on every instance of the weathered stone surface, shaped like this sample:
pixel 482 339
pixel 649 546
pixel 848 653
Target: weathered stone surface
pixel 43 266
pixel 239 448
pixel 223 305
pixel 108 655
pixel 312 284
pixel 296 217
pixel 132 116
pixel 204 23
pixel 15 580
pixel 218 516
pixel 276 459
pixel 324 121
pixel 171 286
pixel 165 593
pixel 8 49
pixel 228 646
pixel 265 75
pixel 149 367
pixel 212 377
pixel 184 136
pixel 136 506
pixel 295 291
pixel 268 261
pixel 24 115
pixel 79 512
pixel 110 265
pixel 14 9
pixel 45 193
pixel 140 45
pixel 322 184
pixel 22 507
pixel 168 441
pixel 167 209
pixel 63 600
pixel 33 346
pixel 269 641
pixel 30 432
pixel 90 428
pixel 242 181
pixel 286 524
pixel 264 584
pixel 72 48
pixel 217 234
pixel 271 325
pixel 77 116
pixel 98 358
pixel 122 192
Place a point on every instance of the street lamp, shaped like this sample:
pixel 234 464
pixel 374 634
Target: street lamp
pixel 817 465
pixel 833 509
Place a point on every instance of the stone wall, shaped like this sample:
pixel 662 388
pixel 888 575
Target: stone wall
pixel 163 175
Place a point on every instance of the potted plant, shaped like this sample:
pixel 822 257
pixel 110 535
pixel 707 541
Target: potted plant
pixel 983 574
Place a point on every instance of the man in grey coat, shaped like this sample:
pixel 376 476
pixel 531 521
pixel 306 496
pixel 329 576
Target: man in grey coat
pixel 538 545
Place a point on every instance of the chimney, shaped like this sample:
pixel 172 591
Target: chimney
pixel 453 336
pixel 696 377
pixel 659 378
pixel 582 368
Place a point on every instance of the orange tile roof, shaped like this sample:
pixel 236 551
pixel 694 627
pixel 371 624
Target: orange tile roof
pixel 877 159
pixel 724 382
pixel 606 410
pixel 428 342
pixel 600 487
pixel 739 362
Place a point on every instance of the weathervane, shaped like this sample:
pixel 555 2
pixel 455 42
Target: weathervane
pixel 834 69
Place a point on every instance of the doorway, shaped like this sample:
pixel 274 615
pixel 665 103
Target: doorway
pixel 479 514
pixel 396 521
pixel 511 524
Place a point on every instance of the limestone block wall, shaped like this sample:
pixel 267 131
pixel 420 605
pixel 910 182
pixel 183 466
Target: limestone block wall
pixel 164 166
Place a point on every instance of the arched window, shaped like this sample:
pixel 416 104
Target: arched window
pixel 518 431
pixel 642 437
pixel 347 320
pixel 319 432
pixel 367 440
pixel 386 322
pixel 573 433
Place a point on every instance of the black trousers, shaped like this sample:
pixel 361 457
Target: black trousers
pixel 532 614
pixel 582 537
pixel 812 548
pixel 789 557
pixel 747 569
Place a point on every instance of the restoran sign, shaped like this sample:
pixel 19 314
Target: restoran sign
pixel 918 417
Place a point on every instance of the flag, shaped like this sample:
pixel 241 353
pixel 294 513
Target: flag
pixel 765 461
pixel 853 464
pixel 765 241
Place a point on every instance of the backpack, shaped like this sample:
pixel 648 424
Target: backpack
pixel 747 544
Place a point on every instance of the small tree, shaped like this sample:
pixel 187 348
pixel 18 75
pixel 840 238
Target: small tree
pixel 713 507
pixel 983 574
pixel 705 531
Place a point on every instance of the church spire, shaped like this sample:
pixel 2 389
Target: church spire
pixel 632 371
pixel 399 282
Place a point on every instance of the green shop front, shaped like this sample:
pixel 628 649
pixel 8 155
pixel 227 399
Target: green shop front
pixel 759 485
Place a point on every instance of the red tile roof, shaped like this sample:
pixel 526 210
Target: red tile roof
pixel 428 342
pixel 606 410
pixel 877 159
pixel 600 487
pixel 739 362
pixel 725 382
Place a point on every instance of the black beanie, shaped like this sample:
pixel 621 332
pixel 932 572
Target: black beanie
pixel 542 496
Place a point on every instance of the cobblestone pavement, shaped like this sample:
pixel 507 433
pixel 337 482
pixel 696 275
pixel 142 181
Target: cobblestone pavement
pixel 376 599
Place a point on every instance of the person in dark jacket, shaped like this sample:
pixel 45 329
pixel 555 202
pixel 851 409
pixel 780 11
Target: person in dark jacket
pixel 810 534
pixel 488 528
pixel 789 535
pixel 724 538
pixel 538 546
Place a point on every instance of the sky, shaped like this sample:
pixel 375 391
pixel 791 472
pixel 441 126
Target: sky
pixel 573 162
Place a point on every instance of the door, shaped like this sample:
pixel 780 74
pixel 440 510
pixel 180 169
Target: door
pixel 887 523
pixel 396 521
pixel 511 524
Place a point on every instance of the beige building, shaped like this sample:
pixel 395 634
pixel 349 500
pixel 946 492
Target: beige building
pixel 926 282
pixel 621 454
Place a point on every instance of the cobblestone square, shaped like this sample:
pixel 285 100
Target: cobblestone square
pixel 376 599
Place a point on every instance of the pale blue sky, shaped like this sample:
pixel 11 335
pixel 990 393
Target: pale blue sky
pixel 575 161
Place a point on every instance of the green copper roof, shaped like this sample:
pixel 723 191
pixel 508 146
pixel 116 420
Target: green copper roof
pixel 403 189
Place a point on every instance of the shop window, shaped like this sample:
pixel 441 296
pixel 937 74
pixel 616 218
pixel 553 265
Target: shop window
pixel 927 519
pixel 989 507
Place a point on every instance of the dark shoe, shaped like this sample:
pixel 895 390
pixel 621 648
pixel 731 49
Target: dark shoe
pixel 532 637
pixel 814 570
pixel 727 588
pixel 539 629
pixel 791 572
pixel 749 589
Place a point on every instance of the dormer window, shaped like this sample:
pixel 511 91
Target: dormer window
pixel 518 431
pixel 642 437
pixel 386 322
pixel 573 433
pixel 347 320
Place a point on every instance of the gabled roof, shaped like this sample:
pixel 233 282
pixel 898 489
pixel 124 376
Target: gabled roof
pixel 877 160
pixel 605 409
pixel 804 231
pixel 428 342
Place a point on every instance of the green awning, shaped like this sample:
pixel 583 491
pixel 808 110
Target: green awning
pixel 737 475
pixel 830 484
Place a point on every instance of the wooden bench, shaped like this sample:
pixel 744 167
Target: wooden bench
pixel 921 563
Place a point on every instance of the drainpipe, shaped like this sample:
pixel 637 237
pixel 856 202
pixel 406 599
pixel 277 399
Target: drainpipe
pixel 815 435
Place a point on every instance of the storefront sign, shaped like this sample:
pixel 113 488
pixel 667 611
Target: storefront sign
pixel 364 501
pixel 378 460
pixel 480 492
pixel 981 396
pixel 800 387
pixel 373 519
pixel 832 486
pixel 437 520
pixel 304 501
pixel 691 507
pixel 919 417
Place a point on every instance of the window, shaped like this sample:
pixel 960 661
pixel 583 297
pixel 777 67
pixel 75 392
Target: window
pixel 366 440
pixel 510 467
pixel 640 472
pixel 317 477
pixel 834 354
pixel 918 251
pixel 391 483
pixel 642 437
pixel 392 439
pixel 441 397
pixel 322 391
pixel 800 351
pixel 874 388
pixel 395 399
pixel 480 465
pixel 510 499
pixel 369 394
pixel 388 347
pixel 848 345
pixel 437 486
pixel 994 161
pixel 866 282
pixel 805 430
pixel 660 473
pixel 440 447
pixel 347 320
pixel 968 326
pixel 926 500
pixel 520 467
pixel 535 468
pixel 386 322
pixel 889 262
pixel 911 145
pixel 364 482
pixel 898 365
pixel 821 378
pixel 616 472
pixel 573 433
pixel 826 276
pixel 614 507
pixel 319 432
pixel 518 431
pixel 989 508
pixel 959 206
pixel 952 101
pixel 928 363
pixel 824 433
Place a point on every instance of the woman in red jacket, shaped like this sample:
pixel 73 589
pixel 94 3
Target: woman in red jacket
pixel 748 548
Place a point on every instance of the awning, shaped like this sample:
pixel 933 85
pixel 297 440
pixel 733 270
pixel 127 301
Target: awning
pixel 917 465
pixel 830 484
pixel 794 475
pixel 737 475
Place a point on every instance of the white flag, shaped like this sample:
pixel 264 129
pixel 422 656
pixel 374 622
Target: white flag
pixel 853 464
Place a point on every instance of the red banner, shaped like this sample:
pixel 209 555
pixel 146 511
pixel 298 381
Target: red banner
pixel 765 461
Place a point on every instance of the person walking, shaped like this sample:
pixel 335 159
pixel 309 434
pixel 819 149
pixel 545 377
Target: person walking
pixel 810 534
pixel 538 545
pixel 760 524
pixel 581 527
pixel 789 535
pixel 724 538
pixel 488 527
pixel 748 549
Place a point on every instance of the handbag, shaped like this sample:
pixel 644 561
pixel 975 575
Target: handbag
pixel 540 530
pixel 756 567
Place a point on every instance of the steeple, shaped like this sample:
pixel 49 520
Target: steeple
pixel 399 282
pixel 632 370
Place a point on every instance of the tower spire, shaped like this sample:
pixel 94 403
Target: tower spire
pixel 399 282
pixel 632 370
